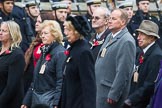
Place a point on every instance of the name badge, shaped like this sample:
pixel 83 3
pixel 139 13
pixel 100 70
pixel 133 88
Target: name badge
pixel 135 78
pixel 42 69
pixel 103 52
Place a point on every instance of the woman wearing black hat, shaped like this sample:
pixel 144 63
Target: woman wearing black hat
pixel 79 87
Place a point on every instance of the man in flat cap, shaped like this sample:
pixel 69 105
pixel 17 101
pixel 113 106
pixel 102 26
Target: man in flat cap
pixel 147 66
pixel 141 14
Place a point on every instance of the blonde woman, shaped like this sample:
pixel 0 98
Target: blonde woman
pixel 47 83
pixel 79 86
pixel 12 65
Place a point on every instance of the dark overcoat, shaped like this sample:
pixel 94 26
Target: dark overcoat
pixel 142 90
pixel 12 65
pixel 79 87
pixel 96 48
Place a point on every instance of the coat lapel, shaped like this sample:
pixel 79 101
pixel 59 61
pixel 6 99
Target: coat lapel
pixel 149 51
pixel 118 36
pixel 107 43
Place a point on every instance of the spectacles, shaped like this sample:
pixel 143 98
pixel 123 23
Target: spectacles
pixel 96 17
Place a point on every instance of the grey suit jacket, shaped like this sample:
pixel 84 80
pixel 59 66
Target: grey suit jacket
pixel 114 69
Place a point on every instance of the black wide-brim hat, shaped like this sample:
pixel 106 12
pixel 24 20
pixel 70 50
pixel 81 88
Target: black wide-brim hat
pixel 81 24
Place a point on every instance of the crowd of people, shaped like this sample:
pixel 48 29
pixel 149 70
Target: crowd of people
pixel 103 59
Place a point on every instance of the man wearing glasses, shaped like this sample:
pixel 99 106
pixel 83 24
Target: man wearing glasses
pixel 99 24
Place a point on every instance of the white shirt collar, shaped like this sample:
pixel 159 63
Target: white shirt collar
pixel 145 49
pixel 113 35
pixel 98 36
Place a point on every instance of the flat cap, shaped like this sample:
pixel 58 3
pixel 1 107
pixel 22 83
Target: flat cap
pixel 29 3
pixel 90 2
pixel 125 4
pixel 59 5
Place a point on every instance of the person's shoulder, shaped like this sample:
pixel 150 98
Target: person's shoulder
pixel 18 51
pixel 157 49
pixel 58 49
pixel 18 12
pixel 153 17
pixel 17 8
pixel 135 17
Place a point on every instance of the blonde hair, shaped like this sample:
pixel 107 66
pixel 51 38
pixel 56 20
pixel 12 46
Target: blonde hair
pixel 55 29
pixel 15 33
pixel 69 25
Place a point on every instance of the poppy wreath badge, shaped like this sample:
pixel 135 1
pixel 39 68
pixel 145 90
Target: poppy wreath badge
pixel 96 43
pixel 48 57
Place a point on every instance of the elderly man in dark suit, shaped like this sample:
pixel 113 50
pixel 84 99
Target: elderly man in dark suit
pixel 147 66
pixel 115 63
pixel 99 23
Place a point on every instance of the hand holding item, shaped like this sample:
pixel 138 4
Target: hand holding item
pixel 111 101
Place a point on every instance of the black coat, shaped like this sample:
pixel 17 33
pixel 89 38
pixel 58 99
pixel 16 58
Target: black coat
pixel 141 91
pixel 96 48
pixel 79 85
pixel 11 85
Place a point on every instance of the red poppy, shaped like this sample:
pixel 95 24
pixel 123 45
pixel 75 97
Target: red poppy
pixel 48 57
pixel 96 43
pixel 66 52
pixel 7 52
pixel 141 59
